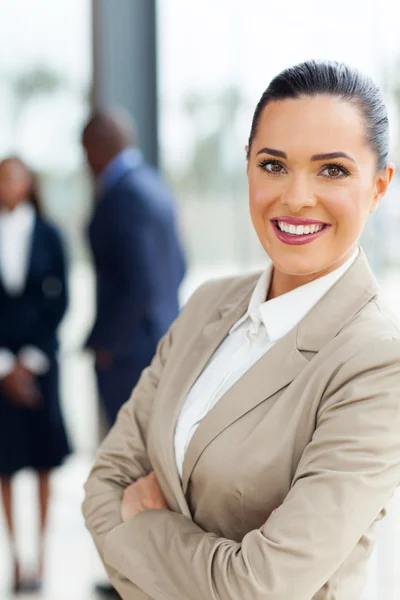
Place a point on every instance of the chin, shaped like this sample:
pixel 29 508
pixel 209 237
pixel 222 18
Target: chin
pixel 296 265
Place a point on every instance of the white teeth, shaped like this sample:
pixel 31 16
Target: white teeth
pixel 300 229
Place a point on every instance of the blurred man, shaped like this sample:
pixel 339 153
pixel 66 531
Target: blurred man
pixel 137 255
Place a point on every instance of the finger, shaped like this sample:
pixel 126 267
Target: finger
pixel 31 403
pixel 31 396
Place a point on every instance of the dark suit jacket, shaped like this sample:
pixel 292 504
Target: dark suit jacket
pixel 139 265
pixel 32 317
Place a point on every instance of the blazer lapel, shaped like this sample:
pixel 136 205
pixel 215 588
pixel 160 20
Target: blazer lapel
pixel 272 372
pixel 33 247
pixel 197 356
pixel 284 361
pixel 347 297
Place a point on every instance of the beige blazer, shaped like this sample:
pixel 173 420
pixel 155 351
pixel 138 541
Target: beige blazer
pixel 307 441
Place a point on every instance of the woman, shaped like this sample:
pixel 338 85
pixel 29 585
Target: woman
pixel 33 298
pixel 262 444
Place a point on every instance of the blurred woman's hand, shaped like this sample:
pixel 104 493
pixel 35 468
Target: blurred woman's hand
pixel 144 494
pixel 20 387
pixel 103 358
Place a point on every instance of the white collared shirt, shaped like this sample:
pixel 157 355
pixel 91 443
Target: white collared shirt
pixel 16 228
pixel 16 231
pixel 249 339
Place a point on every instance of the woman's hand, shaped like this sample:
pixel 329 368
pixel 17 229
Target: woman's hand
pixel 20 387
pixel 104 360
pixel 144 494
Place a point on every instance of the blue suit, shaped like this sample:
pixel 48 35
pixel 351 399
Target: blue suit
pixel 35 438
pixel 139 266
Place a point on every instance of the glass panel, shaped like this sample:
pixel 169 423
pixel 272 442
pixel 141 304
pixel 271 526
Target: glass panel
pixel 45 75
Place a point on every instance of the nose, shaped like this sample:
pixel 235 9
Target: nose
pixel 298 194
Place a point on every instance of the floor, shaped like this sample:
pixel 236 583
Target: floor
pixel 71 562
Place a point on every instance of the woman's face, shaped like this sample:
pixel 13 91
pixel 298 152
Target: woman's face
pixel 312 183
pixel 15 184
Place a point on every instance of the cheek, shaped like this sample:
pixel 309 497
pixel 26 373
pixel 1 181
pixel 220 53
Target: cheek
pixel 262 197
pixel 16 193
pixel 348 206
pixel 10 190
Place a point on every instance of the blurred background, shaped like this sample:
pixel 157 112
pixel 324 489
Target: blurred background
pixel 191 75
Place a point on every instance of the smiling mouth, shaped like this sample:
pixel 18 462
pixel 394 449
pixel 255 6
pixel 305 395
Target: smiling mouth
pixel 297 230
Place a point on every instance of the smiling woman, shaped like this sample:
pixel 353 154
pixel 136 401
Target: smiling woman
pixel 259 449
pixel 317 167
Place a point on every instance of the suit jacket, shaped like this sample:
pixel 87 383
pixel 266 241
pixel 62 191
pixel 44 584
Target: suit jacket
pixel 32 317
pixel 307 442
pixel 139 264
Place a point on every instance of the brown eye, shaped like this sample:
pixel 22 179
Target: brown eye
pixel 334 172
pixel 274 167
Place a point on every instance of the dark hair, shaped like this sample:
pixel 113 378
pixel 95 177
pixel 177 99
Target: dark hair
pixel 336 79
pixel 34 196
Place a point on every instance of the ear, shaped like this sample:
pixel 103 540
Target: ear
pixel 382 182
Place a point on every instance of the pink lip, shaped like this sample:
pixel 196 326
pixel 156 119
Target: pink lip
pixel 298 240
pixel 299 221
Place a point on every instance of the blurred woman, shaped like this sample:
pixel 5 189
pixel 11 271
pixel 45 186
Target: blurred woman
pixel 33 299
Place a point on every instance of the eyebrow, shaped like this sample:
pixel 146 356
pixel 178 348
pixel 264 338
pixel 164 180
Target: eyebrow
pixel 315 157
pixel 272 151
pixel 331 155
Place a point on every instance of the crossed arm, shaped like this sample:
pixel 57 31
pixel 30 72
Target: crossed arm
pixel 345 477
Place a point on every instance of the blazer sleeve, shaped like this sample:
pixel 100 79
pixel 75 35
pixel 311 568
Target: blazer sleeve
pixel 135 265
pixel 122 458
pixel 345 477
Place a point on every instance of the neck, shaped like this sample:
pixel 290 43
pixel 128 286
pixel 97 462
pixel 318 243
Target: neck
pixel 283 283
pixel 11 209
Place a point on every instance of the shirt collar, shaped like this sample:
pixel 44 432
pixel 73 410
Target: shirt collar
pixel 127 159
pixel 281 314
pixel 22 215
